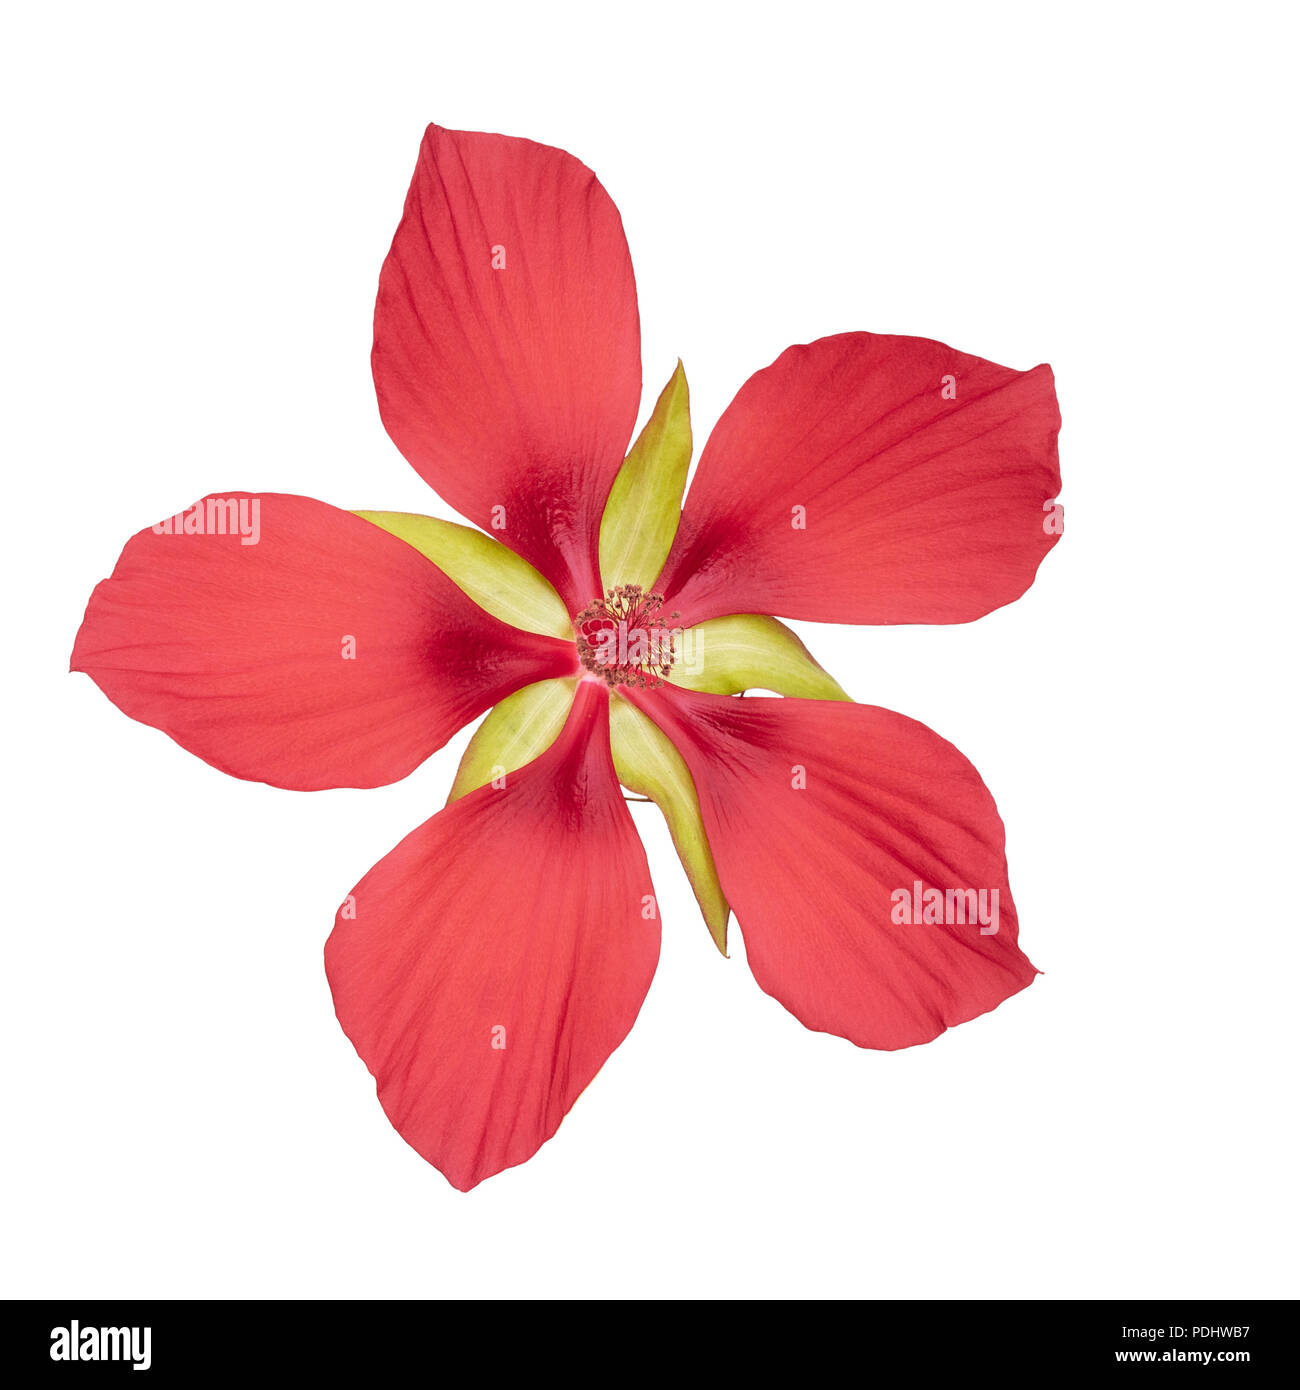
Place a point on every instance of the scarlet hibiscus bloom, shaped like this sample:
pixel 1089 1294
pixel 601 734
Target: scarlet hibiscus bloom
pixel 487 967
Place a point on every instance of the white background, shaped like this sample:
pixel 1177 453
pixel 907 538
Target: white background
pixel 198 200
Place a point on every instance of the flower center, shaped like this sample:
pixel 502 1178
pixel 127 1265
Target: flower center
pixel 621 639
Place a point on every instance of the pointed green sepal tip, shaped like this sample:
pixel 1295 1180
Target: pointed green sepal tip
pixel 518 730
pixel 645 503
pixel 745 651
pixel 497 579
pixel 647 763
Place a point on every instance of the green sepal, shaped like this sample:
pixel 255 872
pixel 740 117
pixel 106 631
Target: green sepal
pixel 745 651
pixel 647 763
pixel 497 579
pixel 522 727
pixel 645 503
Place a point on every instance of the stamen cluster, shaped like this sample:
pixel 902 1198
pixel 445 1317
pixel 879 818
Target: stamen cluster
pixel 621 639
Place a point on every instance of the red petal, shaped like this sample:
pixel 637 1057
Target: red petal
pixel 514 387
pixel 811 872
pixel 237 650
pixel 514 917
pixel 917 508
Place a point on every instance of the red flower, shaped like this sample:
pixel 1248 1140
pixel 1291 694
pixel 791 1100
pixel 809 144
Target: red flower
pixel 487 967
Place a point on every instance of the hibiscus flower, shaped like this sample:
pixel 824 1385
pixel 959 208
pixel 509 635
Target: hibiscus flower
pixel 487 966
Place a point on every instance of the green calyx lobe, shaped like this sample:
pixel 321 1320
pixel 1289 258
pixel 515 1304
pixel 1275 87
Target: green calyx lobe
pixel 748 651
pixel 647 763
pixel 516 731
pixel 645 503
pixel 497 579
